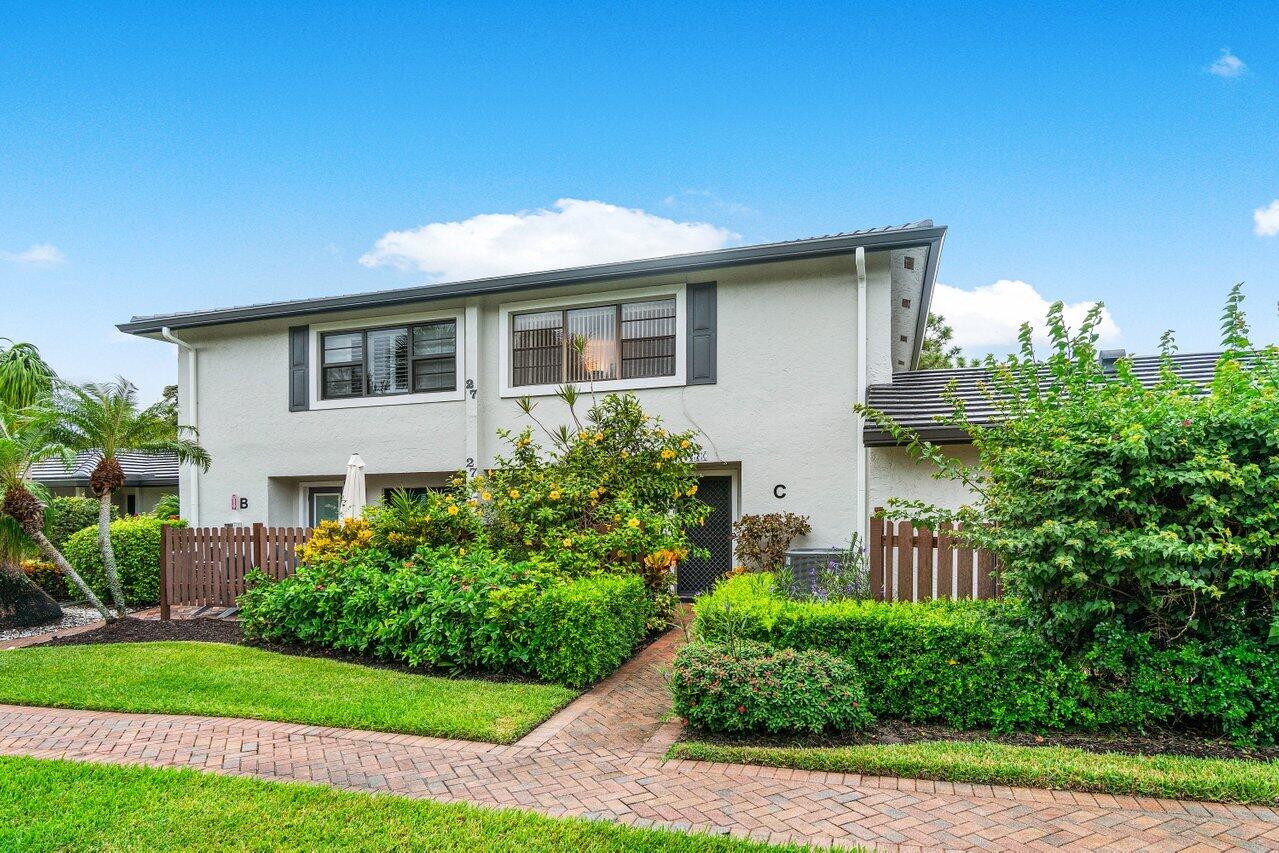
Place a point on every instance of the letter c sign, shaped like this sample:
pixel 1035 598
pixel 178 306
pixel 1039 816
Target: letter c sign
pixel 779 491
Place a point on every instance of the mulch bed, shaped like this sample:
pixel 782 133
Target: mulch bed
pixel 898 732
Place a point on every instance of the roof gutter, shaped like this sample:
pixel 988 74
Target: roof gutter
pixel 192 420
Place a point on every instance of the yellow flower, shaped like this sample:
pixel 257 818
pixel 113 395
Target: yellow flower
pixel 528 541
pixel 685 443
pixel 452 510
pixel 599 436
pixel 568 543
pixel 668 454
pixel 952 661
pixel 626 454
pixel 555 494
pixel 634 522
pixel 461 551
pixel 486 496
pixel 515 493
pixel 692 490
pixel 659 432
pixel 617 518
pixel 595 493
pixel 473 502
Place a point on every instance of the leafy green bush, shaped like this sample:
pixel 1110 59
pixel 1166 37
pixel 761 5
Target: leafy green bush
pixel 578 632
pixel 454 609
pixel 1107 500
pixel 167 506
pixel 976 665
pixel 67 515
pixel 136 542
pixel 752 688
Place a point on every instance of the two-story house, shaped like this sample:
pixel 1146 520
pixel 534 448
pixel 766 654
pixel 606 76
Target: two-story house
pixel 762 349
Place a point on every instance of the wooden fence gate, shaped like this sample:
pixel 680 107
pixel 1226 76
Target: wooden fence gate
pixel 205 566
pixel 909 563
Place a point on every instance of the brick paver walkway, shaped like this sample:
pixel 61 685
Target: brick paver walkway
pixel 601 758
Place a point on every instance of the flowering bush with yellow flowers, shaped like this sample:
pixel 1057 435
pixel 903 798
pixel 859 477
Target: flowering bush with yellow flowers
pixel 336 540
pixel 614 491
pixel 403 522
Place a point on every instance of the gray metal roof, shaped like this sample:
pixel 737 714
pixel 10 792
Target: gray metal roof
pixel 918 233
pixel 916 397
pixel 140 469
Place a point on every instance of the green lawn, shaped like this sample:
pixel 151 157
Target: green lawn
pixel 63 806
pixel 985 762
pixel 217 679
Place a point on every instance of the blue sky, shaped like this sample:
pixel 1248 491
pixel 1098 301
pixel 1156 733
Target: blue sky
pixel 153 159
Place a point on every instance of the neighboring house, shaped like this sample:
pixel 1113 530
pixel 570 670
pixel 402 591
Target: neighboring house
pixel 146 478
pixel 762 349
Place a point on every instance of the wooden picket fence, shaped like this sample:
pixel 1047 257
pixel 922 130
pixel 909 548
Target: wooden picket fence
pixel 205 566
pixel 909 563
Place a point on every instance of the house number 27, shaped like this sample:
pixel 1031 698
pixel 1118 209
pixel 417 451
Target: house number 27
pixel 470 388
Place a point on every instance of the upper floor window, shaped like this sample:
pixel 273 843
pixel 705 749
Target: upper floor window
pixel 628 340
pixel 417 358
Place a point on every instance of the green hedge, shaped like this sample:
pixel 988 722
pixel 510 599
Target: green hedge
pixel 455 609
pixel 973 665
pixel 754 688
pixel 136 543
pixel 65 516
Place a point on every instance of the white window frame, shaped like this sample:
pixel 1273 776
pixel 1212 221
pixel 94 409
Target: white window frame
pixel 507 310
pixel 317 368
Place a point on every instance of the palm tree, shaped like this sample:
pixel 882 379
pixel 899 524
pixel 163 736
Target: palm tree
pixel 105 418
pixel 25 378
pixel 25 440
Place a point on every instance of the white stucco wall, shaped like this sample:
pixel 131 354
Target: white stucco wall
pixel 894 474
pixel 779 414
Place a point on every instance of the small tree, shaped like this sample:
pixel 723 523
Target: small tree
pixel 1108 500
pixel 105 418
pixel 25 379
pixel 24 441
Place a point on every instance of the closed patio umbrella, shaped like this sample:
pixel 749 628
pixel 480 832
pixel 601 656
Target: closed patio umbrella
pixel 353 494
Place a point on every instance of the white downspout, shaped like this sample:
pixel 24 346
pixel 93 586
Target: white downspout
pixel 191 420
pixel 859 394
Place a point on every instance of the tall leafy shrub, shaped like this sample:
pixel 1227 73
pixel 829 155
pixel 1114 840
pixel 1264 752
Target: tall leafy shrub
pixel 1156 508
pixel 136 542
pixel 64 516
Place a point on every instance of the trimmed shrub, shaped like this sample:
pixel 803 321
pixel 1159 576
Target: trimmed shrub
pixel 579 632
pixel 136 542
pixel 752 688
pixel 976 665
pixel 454 609
pixel 67 515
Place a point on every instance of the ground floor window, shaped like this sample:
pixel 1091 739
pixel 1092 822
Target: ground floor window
pixel 325 504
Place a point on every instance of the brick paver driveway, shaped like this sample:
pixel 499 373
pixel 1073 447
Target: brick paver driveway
pixel 601 758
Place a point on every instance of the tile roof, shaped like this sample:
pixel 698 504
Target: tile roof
pixel 140 469
pixel 915 397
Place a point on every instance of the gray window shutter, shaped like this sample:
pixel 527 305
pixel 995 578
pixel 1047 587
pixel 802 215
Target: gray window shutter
pixel 701 333
pixel 299 368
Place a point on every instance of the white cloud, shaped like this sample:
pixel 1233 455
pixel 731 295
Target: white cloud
pixel 39 255
pixel 988 318
pixel 1266 220
pixel 1227 65
pixel 573 233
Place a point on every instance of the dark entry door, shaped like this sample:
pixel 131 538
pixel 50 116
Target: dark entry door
pixel 716 536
